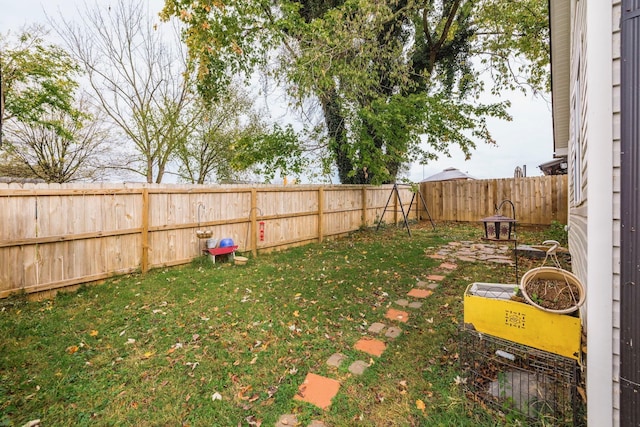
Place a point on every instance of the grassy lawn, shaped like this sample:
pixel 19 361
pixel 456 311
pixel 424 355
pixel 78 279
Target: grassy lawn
pixel 160 348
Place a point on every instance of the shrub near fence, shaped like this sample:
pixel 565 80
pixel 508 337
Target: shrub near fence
pixel 54 236
pixel 537 200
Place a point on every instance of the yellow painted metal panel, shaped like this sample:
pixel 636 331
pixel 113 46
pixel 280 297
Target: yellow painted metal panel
pixel 522 323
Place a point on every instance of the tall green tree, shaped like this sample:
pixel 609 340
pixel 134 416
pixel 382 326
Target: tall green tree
pixel 397 81
pixel 230 140
pixel 37 81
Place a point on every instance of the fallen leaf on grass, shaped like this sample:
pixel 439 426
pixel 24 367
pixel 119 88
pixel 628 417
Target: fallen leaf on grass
pixel 93 333
pixel 272 390
pixel 244 390
pixel 72 349
pixel 420 405
pixel 458 380
pixel 216 396
pixel 130 341
pixel 253 421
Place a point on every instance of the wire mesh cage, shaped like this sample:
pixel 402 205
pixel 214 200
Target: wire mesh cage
pixel 523 383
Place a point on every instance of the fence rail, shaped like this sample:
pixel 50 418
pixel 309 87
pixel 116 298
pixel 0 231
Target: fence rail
pixel 537 200
pixel 54 236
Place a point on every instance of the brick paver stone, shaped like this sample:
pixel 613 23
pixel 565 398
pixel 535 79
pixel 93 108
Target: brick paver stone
pixel 432 286
pixel 317 390
pixel 398 315
pixel 415 305
pixel 370 346
pixel 287 420
pixel 421 284
pixel 376 327
pixel 393 332
pixel 419 293
pixel 402 302
pixel 336 359
pixel 358 367
pixel 448 266
pixel 316 423
pixel 437 256
pixel 435 277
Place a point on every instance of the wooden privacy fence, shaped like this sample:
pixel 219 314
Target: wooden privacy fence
pixel 537 200
pixel 54 236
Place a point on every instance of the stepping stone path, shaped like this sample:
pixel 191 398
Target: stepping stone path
pixel 336 359
pixel 376 328
pixel 358 367
pixel 319 390
pixel 371 346
pixel 393 332
pixel 402 302
pixel 398 315
pixel 419 293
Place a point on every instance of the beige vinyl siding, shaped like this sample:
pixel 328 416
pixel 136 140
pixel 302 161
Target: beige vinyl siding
pixel 617 11
pixel 578 212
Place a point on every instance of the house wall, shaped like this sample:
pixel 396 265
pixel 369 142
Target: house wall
pixel 578 204
pixel 616 265
pixel 594 194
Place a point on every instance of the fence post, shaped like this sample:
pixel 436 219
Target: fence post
pixel 364 207
pixel 145 230
pixel 320 214
pixel 395 207
pixel 254 222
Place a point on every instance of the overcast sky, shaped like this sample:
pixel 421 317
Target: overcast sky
pixel 525 141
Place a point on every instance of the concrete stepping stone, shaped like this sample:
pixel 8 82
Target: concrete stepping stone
pixel 437 256
pixel 358 367
pixel 376 327
pixel 421 284
pixel 287 420
pixel 419 293
pixel 500 261
pixel 397 315
pixel 402 302
pixel 316 423
pixel 454 244
pixel 393 332
pixel 336 359
pixel 448 266
pixel 435 277
pixel 432 286
pixel 415 305
pixel 317 390
pixel 370 346
pixel 465 258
